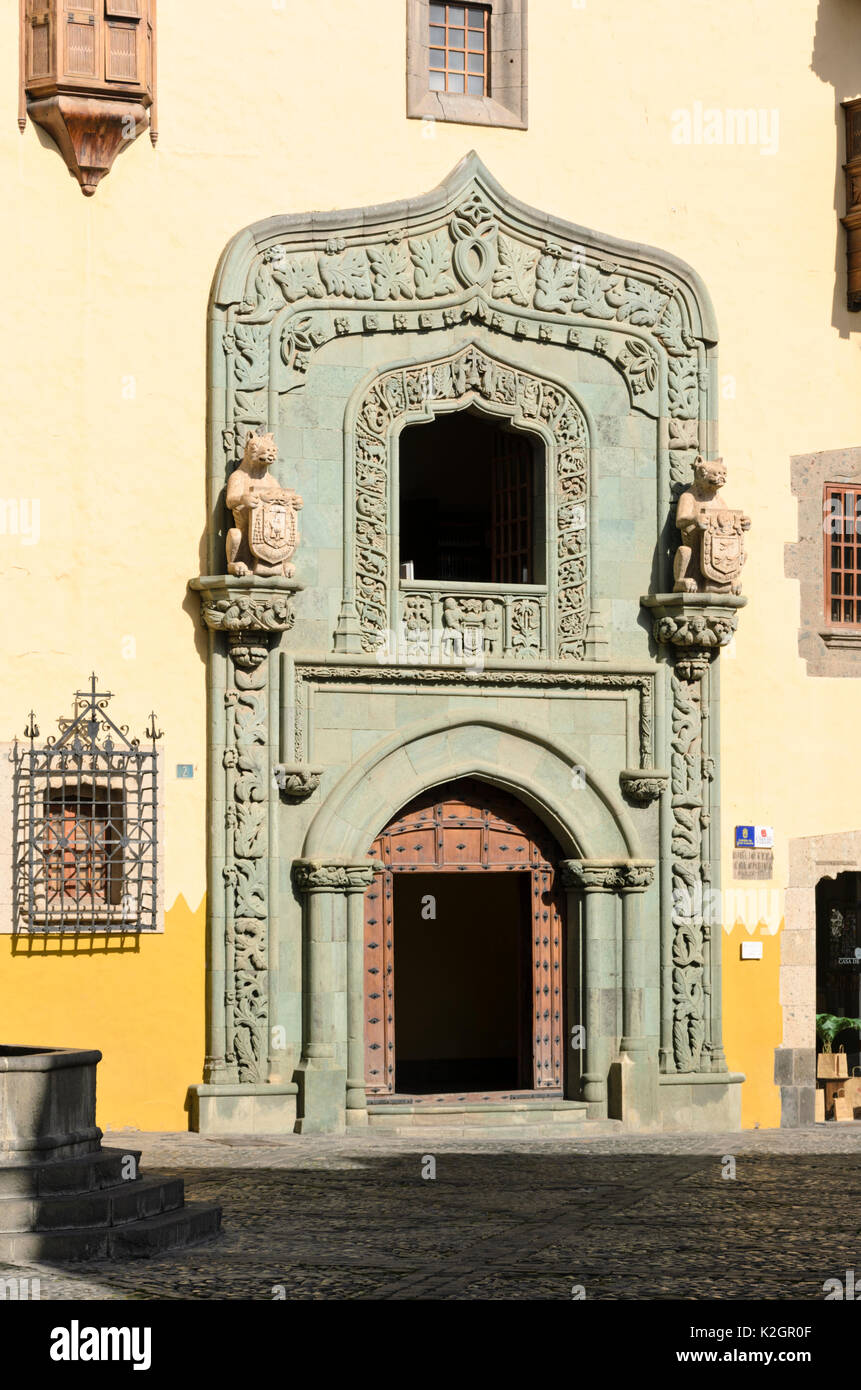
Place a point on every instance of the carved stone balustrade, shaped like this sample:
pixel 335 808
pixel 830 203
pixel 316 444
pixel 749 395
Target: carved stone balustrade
pixel 448 623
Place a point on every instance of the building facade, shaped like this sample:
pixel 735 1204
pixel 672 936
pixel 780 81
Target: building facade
pixel 376 508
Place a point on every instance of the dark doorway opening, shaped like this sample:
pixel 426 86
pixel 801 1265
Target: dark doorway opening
pixel 462 982
pixel 838 955
pixel 471 502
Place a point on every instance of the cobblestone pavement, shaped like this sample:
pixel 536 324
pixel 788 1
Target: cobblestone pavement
pixel 626 1217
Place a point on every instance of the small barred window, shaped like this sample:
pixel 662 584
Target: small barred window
pixel 459 49
pixel 86 820
pixel 842 527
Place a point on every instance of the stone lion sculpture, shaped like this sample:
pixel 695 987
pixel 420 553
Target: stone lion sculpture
pixel 711 555
pixel 265 530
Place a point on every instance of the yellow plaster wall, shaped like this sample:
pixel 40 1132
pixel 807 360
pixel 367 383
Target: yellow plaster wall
pixel 752 1024
pixel 140 1003
pixel 269 107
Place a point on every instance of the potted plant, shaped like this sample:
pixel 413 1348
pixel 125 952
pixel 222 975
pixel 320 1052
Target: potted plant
pixel 832 1065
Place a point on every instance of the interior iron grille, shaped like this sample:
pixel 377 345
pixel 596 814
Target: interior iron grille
pixel 86 824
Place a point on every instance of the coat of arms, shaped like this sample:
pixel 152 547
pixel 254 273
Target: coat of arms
pixel 273 531
pixel 722 554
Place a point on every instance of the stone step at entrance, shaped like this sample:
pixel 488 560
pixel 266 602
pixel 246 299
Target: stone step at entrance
pixel 491 1120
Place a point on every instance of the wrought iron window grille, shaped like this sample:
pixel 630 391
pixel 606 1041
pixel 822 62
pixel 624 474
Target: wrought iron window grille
pixel 86 823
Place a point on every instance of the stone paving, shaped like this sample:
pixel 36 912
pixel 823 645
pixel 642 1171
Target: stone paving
pixel 625 1217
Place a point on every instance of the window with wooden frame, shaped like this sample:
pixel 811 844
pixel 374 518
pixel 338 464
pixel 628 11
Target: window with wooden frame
pixel 459 52
pixel 467 63
pixel 842 529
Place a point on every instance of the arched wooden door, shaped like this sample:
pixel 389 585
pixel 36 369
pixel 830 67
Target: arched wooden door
pixel 468 827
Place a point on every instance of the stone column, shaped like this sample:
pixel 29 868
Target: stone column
pixel 634 1081
pixel 357 1105
pixel 334 938
pixel 592 880
pixel 623 1085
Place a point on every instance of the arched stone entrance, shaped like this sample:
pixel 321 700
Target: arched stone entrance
pixel 491 964
pixel 339 695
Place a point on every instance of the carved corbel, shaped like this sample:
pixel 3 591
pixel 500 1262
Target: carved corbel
pixel 694 627
pixel 295 781
pixel 246 604
pixel 643 785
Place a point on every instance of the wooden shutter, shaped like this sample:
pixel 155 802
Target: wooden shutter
pixel 82 38
pixel 124 41
pixel 38 39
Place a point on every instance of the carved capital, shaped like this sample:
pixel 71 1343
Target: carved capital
pixel 607 875
pixel 295 781
pixel 246 604
pixel 643 785
pixel 334 875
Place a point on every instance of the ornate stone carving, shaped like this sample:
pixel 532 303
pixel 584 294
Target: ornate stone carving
pixel 247 604
pixel 607 876
pixel 246 872
pixel 266 532
pixel 643 785
pixel 689 811
pixel 696 626
pixel 295 781
pixel 468 375
pixel 711 555
pixel 469 258
pixel 328 876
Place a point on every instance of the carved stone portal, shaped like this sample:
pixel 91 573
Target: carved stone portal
pixel 711 555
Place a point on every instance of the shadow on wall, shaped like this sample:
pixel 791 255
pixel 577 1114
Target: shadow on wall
pixel 835 60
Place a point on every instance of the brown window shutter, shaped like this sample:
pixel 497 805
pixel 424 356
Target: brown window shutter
pixel 124 39
pixel 121 60
pixel 38 39
pixel 81 38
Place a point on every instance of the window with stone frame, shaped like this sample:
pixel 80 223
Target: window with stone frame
pixel 467 63
pixel 842 516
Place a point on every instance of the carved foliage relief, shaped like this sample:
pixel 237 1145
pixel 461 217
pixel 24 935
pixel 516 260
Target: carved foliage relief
pixel 246 867
pixel 474 264
pixel 689 774
pixel 461 378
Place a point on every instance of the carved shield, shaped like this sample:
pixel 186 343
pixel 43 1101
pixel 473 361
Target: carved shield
pixel 273 532
pixel 723 546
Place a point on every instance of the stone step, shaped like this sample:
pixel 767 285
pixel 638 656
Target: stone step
pixel 485 1115
pixel 522 1134
pixel 88 1173
pixel 112 1206
pixel 134 1240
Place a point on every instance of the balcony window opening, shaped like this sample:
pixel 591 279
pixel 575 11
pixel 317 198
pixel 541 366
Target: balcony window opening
pixel 471 503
